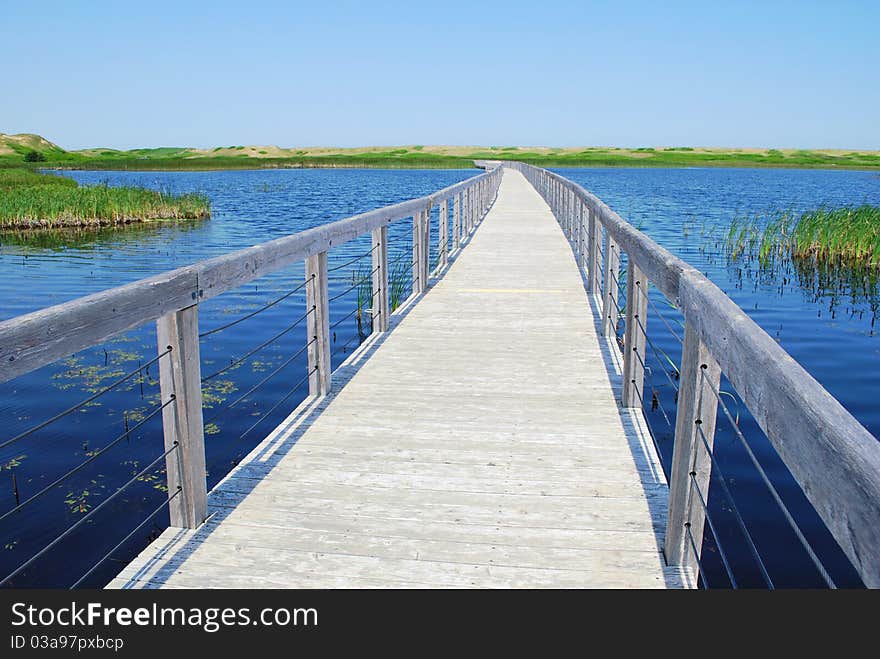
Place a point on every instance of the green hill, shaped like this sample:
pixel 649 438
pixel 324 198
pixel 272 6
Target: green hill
pixel 24 143
pixel 36 151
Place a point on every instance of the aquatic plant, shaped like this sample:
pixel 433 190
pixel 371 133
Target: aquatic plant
pixel 398 278
pixel 846 236
pixel 37 201
pixel 831 253
pixel 362 280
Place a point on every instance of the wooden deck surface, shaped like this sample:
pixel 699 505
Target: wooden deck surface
pixel 477 444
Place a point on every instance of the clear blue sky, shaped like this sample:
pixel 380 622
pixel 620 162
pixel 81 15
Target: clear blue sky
pixel 712 73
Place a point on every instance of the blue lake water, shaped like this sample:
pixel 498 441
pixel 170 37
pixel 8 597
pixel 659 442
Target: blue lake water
pixel 833 339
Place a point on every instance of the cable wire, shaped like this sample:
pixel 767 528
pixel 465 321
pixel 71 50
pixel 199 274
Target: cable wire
pixel 775 494
pixel 128 537
pixel 91 459
pixel 253 313
pixel 82 520
pixel 260 383
pixel 259 347
pixel 84 402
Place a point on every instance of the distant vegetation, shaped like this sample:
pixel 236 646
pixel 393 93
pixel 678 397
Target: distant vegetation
pixel 18 150
pixel 29 200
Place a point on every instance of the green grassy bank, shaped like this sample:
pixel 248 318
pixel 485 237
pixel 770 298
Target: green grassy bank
pixel 35 151
pixel 29 200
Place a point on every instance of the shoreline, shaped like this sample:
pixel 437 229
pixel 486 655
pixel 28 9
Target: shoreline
pixel 252 166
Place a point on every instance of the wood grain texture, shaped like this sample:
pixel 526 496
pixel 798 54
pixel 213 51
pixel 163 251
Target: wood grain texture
pixel 476 444
pixel 318 324
pixel 694 425
pixel 611 287
pixel 834 459
pixel 634 343
pixel 182 423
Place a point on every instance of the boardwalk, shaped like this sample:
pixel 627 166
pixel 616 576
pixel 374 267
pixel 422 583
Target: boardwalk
pixel 477 444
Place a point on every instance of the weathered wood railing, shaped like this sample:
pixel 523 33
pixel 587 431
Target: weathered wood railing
pixel 833 458
pixel 172 299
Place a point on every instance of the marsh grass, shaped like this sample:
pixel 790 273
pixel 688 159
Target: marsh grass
pixel 833 254
pixel 847 236
pixel 398 278
pixel 29 200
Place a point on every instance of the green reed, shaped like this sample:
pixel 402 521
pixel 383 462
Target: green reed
pixel 847 236
pixel 29 200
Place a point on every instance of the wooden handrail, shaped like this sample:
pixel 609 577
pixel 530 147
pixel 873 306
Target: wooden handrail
pixel 33 340
pixel 833 458
pixel 172 299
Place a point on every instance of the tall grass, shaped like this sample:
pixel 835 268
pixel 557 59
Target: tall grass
pixel 29 200
pixel 847 236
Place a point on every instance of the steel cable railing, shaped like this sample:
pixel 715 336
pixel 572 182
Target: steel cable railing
pixel 770 487
pixel 253 313
pixel 81 404
pixel 82 520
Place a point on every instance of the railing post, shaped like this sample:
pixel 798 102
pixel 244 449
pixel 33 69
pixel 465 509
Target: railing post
pixel 443 234
pixel 182 423
pixel 691 463
pixel 420 253
pixel 579 233
pixel 569 213
pixel 381 310
pixel 417 252
pixel 465 214
pixel 426 245
pixel 456 221
pixel 318 324
pixel 634 338
pixel 611 292
pixel 593 264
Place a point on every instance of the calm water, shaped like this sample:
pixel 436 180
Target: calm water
pixel 676 207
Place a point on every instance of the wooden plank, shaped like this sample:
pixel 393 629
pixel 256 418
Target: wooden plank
pixel 39 338
pixel 634 344
pixel 380 303
pixel 180 381
pixel 611 293
pixel 478 444
pixel 691 463
pixel 443 233
pixel 318 325
pixel 595 237
pixel 456 222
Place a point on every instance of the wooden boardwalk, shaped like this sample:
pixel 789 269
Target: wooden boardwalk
pixel 477 444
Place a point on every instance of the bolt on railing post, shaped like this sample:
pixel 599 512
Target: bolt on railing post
pixel 634 338
pixel 594 235
pixel 381 309
pixel 182 423
pixel 695 419
pixel 456 221
pixel 318 324
pixel 443 233
pixel 611 293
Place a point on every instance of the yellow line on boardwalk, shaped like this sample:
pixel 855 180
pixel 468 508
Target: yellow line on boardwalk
pixel 509 290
